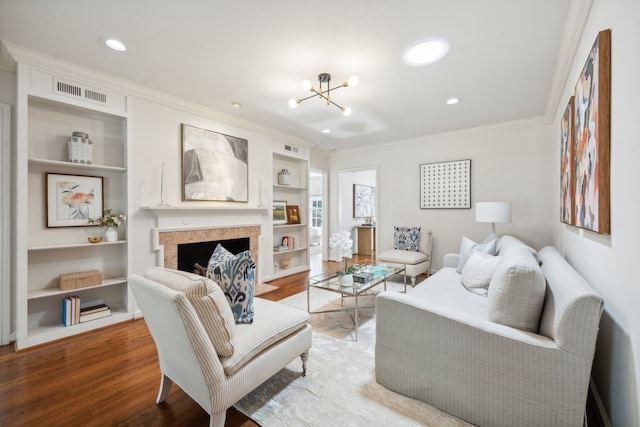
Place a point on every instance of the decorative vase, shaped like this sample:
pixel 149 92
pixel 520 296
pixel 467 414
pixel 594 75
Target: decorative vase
pixel 111 235
pixel 284 177
pixel 345 279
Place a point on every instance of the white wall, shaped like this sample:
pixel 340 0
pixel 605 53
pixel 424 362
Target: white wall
pixel 157 139
pixel 607 262
pixel 509 162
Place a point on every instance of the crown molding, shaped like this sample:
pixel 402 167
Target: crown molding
pixel 36 59
pixel 449 136
pixel 6 60
pixel 573 29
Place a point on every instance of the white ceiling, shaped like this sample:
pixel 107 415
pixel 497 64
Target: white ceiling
pixel 502 62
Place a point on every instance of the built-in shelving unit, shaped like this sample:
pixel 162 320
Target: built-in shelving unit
pixel 294 194
pixel 50 108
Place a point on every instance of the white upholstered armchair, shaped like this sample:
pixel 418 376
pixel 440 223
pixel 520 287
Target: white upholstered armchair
pixel 417 262
pixel 191 331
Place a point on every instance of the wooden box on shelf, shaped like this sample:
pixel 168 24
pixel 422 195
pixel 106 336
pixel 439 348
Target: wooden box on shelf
pixel 81 279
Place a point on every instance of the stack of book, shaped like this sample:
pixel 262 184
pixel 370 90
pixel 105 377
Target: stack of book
pixel 73 313
pixel 93 312
pixel 289 242
pixel 71 310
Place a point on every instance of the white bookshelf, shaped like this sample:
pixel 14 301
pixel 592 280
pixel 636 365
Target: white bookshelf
pixel 294 194
pixel 46 116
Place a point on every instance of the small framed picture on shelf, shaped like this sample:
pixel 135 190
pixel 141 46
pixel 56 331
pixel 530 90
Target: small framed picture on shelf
pixel 279 212
pixel 293 214
pixel 72 199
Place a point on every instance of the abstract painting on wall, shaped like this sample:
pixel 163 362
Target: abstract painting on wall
pixel 363 201
pixel 214 165
pixel 445 185
pixel 591 139
pixel 567 182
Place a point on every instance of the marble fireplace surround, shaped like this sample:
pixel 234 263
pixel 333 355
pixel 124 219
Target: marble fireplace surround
pixel 184 224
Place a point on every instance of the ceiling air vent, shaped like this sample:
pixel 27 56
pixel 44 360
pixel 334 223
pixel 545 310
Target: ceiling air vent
pixel 68 89
pixel 290 148
pixel 95 96
pixel 78 91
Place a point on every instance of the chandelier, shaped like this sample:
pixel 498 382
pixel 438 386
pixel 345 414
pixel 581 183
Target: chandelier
pixel 324 91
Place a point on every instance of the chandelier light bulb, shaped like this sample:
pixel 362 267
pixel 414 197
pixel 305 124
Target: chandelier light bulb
pixel 324 91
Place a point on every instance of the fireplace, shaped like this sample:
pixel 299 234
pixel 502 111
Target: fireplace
pixel 177 225
pixel 234 239
pixel 194 257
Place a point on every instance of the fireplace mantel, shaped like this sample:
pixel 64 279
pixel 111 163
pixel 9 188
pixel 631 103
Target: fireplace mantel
pixel 160 210
pixel 189 224
pixel 191 217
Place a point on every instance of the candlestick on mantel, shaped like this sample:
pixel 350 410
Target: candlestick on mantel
pixel 163 186
pixel 260 205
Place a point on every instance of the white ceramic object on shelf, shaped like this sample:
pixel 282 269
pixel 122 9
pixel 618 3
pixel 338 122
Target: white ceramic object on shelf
pixel 284 177
pixel 111 235
pixel 80 148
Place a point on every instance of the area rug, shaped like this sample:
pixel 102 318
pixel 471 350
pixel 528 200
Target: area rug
pixel 340 387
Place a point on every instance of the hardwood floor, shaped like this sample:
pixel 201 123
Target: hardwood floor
pixel 108 377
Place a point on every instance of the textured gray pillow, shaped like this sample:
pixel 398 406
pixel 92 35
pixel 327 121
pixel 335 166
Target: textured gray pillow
pixel 478 271
pixel 516 291
pixel 468 246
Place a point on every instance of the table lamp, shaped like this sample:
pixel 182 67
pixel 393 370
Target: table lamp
pixel 493 212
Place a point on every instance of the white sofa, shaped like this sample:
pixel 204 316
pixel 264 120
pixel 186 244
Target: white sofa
pixel 449 347
pixel 200 348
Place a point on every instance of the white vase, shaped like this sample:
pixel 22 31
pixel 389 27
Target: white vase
pixel 345 279
pixel 111 235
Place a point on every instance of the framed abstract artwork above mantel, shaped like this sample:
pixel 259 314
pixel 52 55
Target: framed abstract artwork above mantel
pixel 214 166
pixel 592 138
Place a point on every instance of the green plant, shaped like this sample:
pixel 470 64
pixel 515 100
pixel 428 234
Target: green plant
pixel 108 219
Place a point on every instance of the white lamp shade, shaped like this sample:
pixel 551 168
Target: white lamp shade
pixel 493 212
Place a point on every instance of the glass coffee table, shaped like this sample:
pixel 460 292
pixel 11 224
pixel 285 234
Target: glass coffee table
pixel 375 275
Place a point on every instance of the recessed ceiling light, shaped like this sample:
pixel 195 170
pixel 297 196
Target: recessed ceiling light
pixel 452 101
pixel 236 104
pixel 115 45
pixel 325 131
pixel 426 52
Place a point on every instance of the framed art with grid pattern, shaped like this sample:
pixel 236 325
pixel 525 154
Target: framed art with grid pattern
pixel 445 185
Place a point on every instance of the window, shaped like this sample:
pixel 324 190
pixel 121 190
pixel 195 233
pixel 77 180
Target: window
pixel 316 211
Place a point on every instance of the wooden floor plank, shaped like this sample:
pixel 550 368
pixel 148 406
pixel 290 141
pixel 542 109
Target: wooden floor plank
pixel 107 377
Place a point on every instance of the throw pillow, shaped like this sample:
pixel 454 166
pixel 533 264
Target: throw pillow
pixel 517 290
pixel 207 299
pixel 478 271
pixel 406 238
pixel 468 246
pixel 236 276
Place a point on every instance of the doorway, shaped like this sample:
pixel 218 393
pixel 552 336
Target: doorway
pixel 317 218
pixel 350 215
